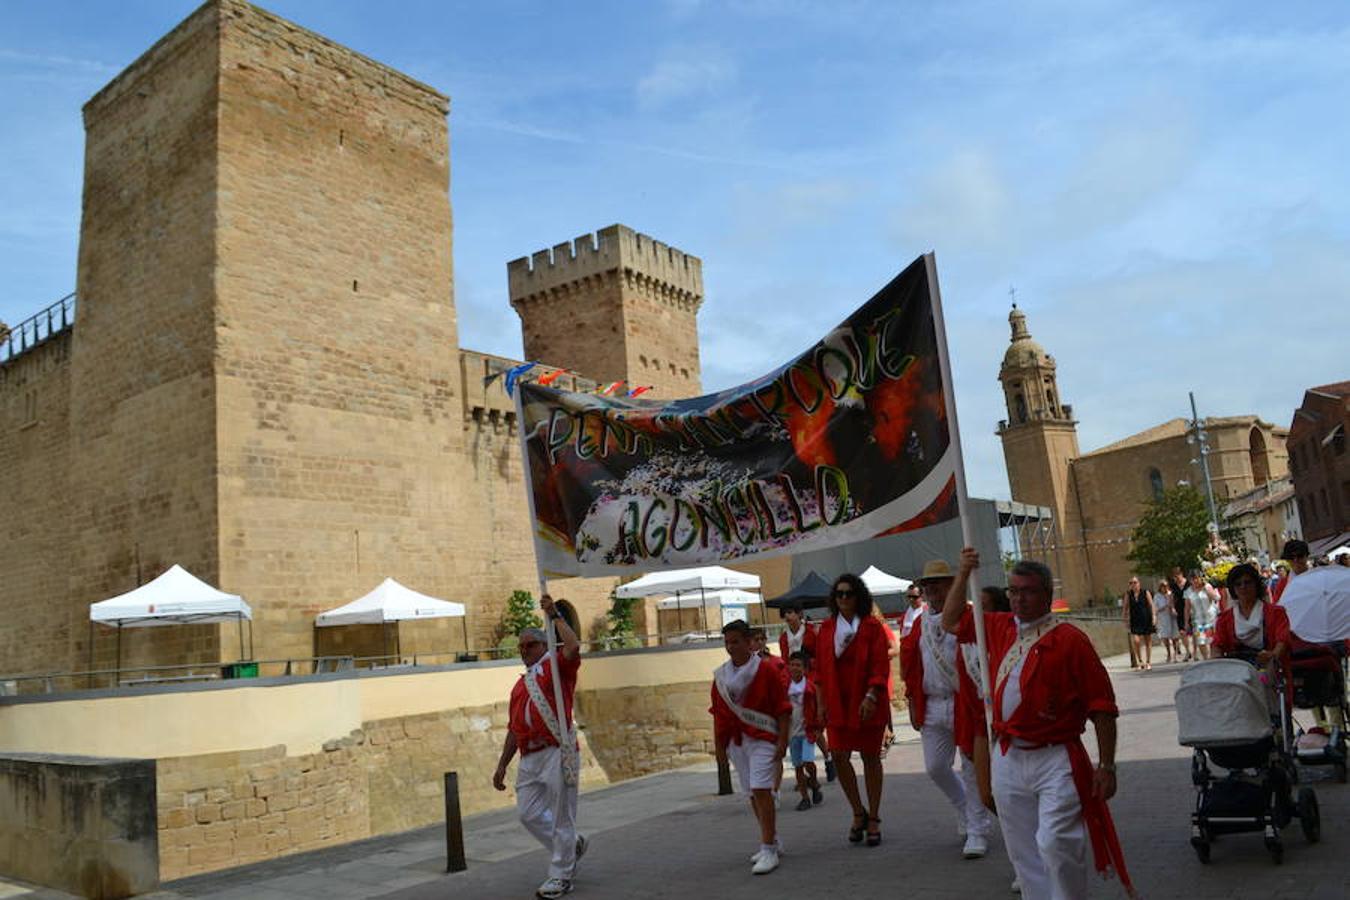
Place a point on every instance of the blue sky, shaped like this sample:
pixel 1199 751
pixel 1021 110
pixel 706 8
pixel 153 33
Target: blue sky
pixel 1165 184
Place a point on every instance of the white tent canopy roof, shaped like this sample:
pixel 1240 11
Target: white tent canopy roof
pixel 176 597
pixel 723 597
pixel 881 583
pixel 679 581
pixel 390 602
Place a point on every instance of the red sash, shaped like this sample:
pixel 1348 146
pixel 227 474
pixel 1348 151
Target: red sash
pixel 1101 828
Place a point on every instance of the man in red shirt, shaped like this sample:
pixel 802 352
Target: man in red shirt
pixel 546 779
pixel 752 718
pixel 1047 684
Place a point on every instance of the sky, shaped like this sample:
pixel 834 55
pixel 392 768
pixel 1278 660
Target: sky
pixel 1164 185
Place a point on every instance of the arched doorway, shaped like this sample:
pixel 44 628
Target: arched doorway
pixel 1155 483
pixel 1256 443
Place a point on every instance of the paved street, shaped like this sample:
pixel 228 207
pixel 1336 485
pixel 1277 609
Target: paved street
pixel 669 836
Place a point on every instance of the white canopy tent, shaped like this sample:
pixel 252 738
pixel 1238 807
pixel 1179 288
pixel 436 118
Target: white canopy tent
pixel 393 602
pixel 724 597
pixel 177 597
pixel 882 584
pixel 692 585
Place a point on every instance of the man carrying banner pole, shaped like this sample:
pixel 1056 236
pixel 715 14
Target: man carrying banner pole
pixel 547 777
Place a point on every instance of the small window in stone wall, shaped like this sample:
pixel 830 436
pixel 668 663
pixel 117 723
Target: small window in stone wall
pixel 642 359
pixel 684 373
pixel 30 408
pixel 1155 483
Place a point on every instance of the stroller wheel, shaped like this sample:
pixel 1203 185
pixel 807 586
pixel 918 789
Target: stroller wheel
pixel 1276 849
pixel 1340 772
pixel 1308 815
pixel 1201 849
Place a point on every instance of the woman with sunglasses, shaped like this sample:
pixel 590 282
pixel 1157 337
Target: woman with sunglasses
pixel 1251 625
pixel 853 698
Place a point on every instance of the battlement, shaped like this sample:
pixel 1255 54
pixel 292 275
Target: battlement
pixel 618 249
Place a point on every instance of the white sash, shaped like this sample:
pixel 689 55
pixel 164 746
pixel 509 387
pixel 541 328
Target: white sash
pixel 970 655
pixel 1018 650
pixel 571 759
pixel 932 636
pixel 752 717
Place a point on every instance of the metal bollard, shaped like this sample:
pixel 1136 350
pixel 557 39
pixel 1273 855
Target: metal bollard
pixel 723 778
pixel 454 826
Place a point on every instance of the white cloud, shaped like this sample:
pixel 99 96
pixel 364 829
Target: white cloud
pixel 677 78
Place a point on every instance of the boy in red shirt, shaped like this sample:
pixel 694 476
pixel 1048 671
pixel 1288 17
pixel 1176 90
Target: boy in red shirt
pixel 751 719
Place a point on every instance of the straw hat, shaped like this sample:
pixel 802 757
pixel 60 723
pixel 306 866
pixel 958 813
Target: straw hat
pixel 936 570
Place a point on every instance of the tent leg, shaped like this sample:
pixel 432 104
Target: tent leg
pixel 464 624
pixel 240 621
pixel 703 611
pixel 89 678
pixel 118 677
pixel 251 651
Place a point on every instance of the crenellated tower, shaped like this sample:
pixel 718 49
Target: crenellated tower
pixel 613 305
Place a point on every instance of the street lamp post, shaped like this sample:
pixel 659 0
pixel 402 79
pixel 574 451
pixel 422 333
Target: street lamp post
pixel 1199 438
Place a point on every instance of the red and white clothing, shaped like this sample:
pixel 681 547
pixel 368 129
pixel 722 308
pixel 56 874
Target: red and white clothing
pixel 805 711
pixel 931 663
pixel 854 658
pixel 749 731
pixel 545 802
pixel 804 638
pixel 1041 771
pixel 526 723
pixel 1266 626
pixel 912 615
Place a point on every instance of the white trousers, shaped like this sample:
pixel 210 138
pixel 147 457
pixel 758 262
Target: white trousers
pixel 939 753
pixel 539 782
pixel 1042 822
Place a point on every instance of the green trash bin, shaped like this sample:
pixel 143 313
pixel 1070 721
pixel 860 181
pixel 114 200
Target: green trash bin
pixel 240 670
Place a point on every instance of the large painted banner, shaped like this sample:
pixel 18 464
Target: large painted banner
pixel 849 441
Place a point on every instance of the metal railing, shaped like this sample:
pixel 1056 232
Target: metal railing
pixel 37 330
pixel 132 677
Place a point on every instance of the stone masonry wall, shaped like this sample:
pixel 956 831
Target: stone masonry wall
pixel 142 475
pixel 35 460
pixel 640 730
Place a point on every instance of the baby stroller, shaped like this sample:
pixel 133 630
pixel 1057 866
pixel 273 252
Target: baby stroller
pixel 1224 712
pixel 1319 681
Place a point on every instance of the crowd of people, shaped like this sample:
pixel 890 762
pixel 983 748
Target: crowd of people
pixel 1015 760
pixel 1179 614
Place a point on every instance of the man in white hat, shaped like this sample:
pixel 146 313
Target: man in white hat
pixel 928 661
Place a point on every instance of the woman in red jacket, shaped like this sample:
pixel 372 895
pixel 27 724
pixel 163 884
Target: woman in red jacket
pixel 854 700
pixel 1251 622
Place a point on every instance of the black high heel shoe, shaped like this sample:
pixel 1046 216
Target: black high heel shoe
pixel 856 832
pixel 873 837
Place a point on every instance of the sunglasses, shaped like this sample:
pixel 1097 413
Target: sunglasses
pixel 843 592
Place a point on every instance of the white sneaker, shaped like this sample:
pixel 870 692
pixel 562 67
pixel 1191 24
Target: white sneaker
pixel 777 846
pixel 976 847
pixel 553 888
pixel 767 862
pixel 1016 886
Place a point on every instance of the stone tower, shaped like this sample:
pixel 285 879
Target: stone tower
pixel 613 305
pixel 1040 436
pixel 266 359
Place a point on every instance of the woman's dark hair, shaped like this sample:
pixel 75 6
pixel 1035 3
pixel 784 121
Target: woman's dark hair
pixel 998 595
pixel 862 603
pixel 786 608
pixel 1246 570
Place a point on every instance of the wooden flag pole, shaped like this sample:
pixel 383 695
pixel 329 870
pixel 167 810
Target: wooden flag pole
pixel 962 500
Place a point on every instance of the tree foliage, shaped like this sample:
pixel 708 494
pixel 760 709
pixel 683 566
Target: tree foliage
pixel 519 615
pixel 1174 531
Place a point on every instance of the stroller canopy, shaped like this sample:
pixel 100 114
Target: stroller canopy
pixel 1222 703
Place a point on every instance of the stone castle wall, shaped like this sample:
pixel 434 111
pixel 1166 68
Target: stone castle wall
pixel 142 476
pixel 35 460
